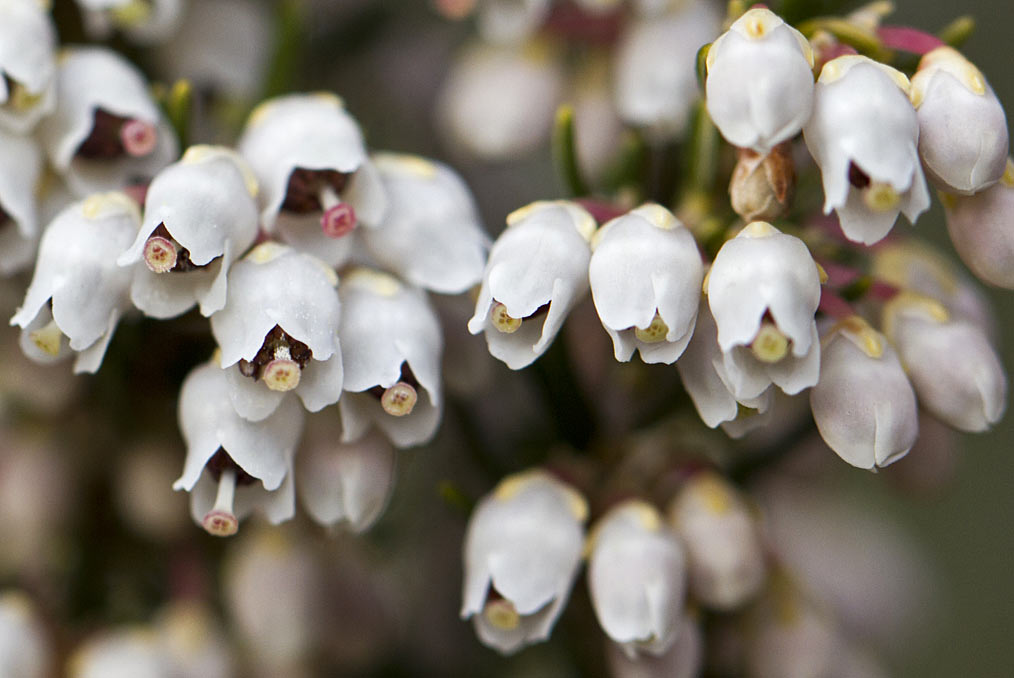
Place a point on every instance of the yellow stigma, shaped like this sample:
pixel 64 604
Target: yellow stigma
pixel 503 321
pixel 133 13
pixel 865 338
pixel 770 345
pixel 881 197
pixel 653 333
pixel 501 614
pixel 20 99
pixel 399 399
pixel 47 338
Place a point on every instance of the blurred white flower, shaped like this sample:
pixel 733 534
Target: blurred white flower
pixel 982 230
pixel 511 21
pixel 759 85
pixel 763 289
pixel 21 168
pixel 683 660
pixel 655 72
pixel 432 234
pixel 863 405
pixel 24 649
pixel 143 492
pixel 962 126
pixel 28 63
pixel 128 652
pixel 537 271
pixel 521 555
pixel 345 484
pixel 727 567
pixel 392 347
pixel 107 131
pixel 278 331
pixel 143 21
pixel 637 577
pixel 233 465
pixel 316 180
pixel 194 640
pixel 76 270
pixel 790 636
pixel 497 103
pixel 199 215
pixel 863 135
pixel 956 373
pixel 598 129
pixel 645 275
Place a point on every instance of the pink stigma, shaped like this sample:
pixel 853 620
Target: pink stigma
pixel 138 137
pixel 338 220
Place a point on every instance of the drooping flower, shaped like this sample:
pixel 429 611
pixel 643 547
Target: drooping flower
pixel 431 234
pixel 235 466
pixel 106 131
pixel 759 85
pixel 76 270
pixel 199 215
pixel 863 405
pixel 521 555
pixel 863 135
pixel 962 126
pixel 537 271
pixel 317 182
pixel 645 275
pixel 278 331
pixel 28 63
pixel 392 346
pixel 21 168
pixel 982 230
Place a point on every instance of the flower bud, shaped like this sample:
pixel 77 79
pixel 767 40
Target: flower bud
pixel 762 186
pixel 637 578
pixel 521 555
pixel 863 405
pixel 863 135
pixel 957 375
pixel 760 83
pixel 723 547
pixel 645 274
pixel 962 126
pixel 981 227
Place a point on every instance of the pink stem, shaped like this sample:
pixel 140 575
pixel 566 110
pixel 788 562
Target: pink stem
pixel 908 39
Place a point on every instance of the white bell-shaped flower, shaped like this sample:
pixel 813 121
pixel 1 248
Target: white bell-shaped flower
pixel 645 275
pixel 199 215
pixel 684 659
pixel 21 168
pixel 28 62
pixel 143 21
pixel 511 21
pixel 956 373
pixel 863 405
pixel 129 652
pixel 723 546
pixel 537 271
pixel 981 227
pixel 498 102
pixel 702 369
pixel 195 639
pixel 278 331
pixel 431 234
pixel 316 180
pixel 637 576
pixel 24 651
pixel 763 290
pixel 106 131
pixel 392 345
pixel 863 134
pixel 234 466
pixel 521 555
pixel 790 635
pixel 655 77
pixel 345 484
pixel 759 85
pixel 962 126
pixel 76 270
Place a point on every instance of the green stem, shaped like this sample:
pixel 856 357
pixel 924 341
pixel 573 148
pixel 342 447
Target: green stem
pixel 565 153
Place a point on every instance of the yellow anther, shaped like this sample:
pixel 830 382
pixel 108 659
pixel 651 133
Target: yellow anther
pixel 881 197
pixel 501 614
pixel 770 345
pixel 866 339
pixel 503 321
pixel 654 332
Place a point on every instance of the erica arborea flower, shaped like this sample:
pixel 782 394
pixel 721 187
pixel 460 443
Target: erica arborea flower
pixel 392 344
pixel 107 131
pixel 981 227
pixel 76 273
pixel 21 168
pixel 863 134
pixel 537 271
pixel 28 63
pixel 759 84
pixel 645 275
pixel 235 466
pixel 200 214
pixel 962 126
pixel 521 555
pixel 278 331
pixel 317 182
